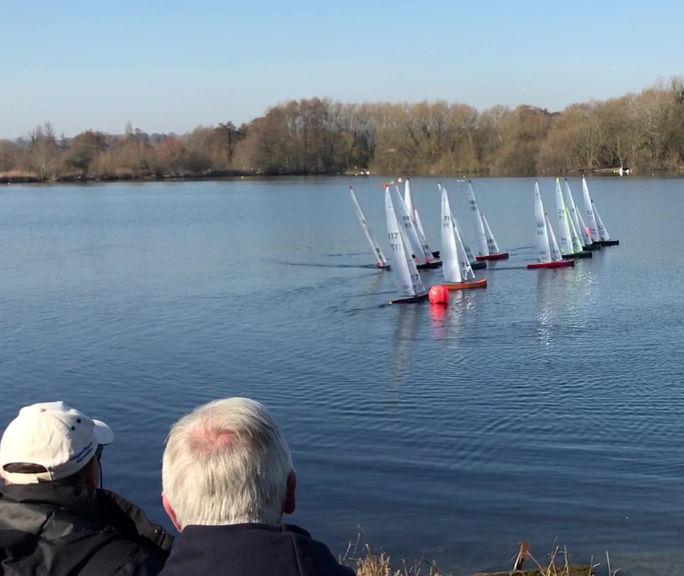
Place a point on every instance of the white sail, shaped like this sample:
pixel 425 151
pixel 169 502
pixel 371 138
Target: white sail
pixel 463 258
pixel 492 246
pixel 603 232
pixel 379 256
pixel 421 232
pixel 409 229
pixel 412 210
pixel 555 251
pixel 585 230
pixel 576 216
pixel 408 198
pixel 483 249
pixel 576 242
pixel 466 247
pixel 469 253
pixel 457 263
pixel 589 209
pixel 449 253
pixel 564 236
pixel 404 271
pixel 542 239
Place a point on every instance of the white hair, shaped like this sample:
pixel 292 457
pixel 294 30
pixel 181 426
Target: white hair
pixel 226 463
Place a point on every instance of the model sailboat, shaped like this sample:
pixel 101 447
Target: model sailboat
pixel 420 251
pixel 406 276
pixel 415 216
pixel 455 266
pixel 581 228
pixel 475 264
pixel 548 252
pixel 488 249
pixel 380 260
pixel 570 245
pixel 599 233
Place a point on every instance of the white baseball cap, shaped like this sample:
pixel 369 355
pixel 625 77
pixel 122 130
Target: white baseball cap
pixel 52 435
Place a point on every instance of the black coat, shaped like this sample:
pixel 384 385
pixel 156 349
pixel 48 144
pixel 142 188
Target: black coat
pixel 251 550
pixel 59 530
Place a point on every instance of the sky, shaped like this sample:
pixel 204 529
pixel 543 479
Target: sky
pixel 169 66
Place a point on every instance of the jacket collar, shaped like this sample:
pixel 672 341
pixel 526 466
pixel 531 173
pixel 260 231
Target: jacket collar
pixel 197 530
pixel 81 501
pixel 96 505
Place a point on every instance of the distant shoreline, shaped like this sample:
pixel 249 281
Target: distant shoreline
pixel 27 178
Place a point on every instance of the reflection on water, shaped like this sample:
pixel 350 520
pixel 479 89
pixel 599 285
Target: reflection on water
pixel 551 289
pixel 448 321
pixel 375 281
pixel 408 318
pixel 439 316
pixel 564 297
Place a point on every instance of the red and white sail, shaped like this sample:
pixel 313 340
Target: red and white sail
pixel 542 245
pixel 589 210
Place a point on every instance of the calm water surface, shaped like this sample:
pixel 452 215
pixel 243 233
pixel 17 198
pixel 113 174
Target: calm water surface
pixel 550 405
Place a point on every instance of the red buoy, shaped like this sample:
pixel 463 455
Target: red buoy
pixel 439 295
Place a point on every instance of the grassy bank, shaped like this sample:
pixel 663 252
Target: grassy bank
pixel 367 562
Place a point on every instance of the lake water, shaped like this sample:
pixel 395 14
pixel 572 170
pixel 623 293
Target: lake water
pixel 548 406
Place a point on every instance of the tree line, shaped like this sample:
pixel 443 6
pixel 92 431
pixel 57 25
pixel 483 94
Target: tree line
pixel 643 132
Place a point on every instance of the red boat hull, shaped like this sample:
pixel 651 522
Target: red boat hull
pixel 499 256
pixel 559 264
pixel 469 285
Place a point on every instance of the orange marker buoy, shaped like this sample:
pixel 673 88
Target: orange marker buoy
pixel 439 295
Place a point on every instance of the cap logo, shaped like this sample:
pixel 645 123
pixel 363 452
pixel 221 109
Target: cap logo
pixel 80 456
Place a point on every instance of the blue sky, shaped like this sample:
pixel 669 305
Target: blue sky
pixel 172 65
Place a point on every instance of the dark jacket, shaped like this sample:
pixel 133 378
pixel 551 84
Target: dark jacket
pixel 251 550
pixel 60 530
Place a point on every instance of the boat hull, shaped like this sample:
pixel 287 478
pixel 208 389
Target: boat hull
pixel 498 256
pixel 429 265
pixel 478 265
pixel 410 299
pixel 383 266
pixel 558 264
pixel 592 247
pixel 577 255
pixel 468 285
pixel 609 242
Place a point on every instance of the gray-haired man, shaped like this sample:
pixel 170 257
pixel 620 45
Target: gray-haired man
pixel 228 479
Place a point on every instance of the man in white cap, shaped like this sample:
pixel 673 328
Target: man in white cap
pixel 53 517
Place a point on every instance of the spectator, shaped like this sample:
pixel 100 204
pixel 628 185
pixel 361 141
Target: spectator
pixel 228 479
pixel 53 517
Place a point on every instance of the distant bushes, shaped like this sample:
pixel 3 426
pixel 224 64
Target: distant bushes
pixel 643 132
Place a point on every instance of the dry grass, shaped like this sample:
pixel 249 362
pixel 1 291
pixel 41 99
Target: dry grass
pixel 555 563
pixel 366 562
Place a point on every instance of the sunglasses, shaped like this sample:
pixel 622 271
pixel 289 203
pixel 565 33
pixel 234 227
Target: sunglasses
pixel 98 455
